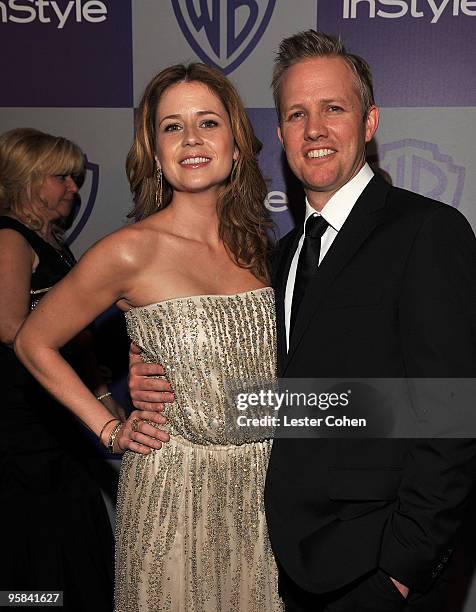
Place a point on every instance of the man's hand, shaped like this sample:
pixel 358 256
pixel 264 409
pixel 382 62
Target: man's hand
pixel 401 587
pixel 147 393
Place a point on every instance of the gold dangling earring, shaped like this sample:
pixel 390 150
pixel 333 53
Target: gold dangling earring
pixel 233 167
pixel 158 187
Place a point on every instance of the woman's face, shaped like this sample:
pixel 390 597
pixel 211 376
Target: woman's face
pixel 56 196
pixel 194 142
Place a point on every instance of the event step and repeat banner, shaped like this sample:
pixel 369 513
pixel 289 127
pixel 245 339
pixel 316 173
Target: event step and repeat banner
pixel 78 68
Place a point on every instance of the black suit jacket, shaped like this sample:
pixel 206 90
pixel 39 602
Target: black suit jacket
pixel 394 297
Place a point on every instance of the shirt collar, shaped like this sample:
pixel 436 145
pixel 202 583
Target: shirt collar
pixel 338 208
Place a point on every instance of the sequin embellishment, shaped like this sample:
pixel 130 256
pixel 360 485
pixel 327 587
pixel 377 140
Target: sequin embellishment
pixel 191 532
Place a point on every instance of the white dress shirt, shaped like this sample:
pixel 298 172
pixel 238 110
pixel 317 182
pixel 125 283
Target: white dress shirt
pixel 335 212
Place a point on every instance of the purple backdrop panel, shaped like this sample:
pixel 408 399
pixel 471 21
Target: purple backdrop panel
pixel 84 204
pixel 419 50
pixel 75 53
pixel 281 183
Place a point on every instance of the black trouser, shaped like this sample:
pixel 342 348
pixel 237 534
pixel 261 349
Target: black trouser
pixel 374 592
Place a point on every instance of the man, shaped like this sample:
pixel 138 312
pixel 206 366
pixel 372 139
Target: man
pixel 363 524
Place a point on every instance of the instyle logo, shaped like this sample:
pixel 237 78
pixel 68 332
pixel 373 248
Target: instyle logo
pixel 50 11
pixel 88 193
pixel 395 9
pixel 420 167
pixel 223 32
pixel 276 201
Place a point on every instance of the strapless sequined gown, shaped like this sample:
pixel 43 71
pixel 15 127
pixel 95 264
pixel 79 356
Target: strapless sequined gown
pixel 191 530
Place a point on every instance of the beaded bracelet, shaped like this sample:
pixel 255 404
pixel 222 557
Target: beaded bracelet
pixel 112 437
pixel 101 397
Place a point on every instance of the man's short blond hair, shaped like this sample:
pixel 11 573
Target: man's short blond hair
pixel 312 44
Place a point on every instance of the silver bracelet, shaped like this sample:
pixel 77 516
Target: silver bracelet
pixel 105 425
pixel 112 437
pixel 101 397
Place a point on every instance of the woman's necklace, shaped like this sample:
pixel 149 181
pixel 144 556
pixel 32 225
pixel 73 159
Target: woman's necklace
pixel 59 248
pixel 66 256
pixel 50 239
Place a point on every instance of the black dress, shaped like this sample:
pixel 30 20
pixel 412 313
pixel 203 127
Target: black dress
pixel 54 528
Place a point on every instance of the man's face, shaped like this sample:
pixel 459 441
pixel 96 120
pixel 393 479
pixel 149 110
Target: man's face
pixel 323 130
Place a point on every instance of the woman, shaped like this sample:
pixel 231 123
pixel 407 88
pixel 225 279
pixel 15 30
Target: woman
pixel 192 279
pixel 55 531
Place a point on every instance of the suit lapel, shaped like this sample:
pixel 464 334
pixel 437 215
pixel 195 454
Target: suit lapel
pixel 287 248
pixel 366 214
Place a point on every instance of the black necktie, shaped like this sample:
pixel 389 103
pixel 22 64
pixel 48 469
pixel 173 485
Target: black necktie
pixel 308 262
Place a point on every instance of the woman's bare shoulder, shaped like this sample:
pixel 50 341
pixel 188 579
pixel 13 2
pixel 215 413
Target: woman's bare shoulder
pixel 12 236
pixel 14 244
pixel 127 246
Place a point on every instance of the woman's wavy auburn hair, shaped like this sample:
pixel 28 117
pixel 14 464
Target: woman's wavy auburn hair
pixel 244 222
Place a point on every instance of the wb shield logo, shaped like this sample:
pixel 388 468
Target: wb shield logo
pixel 420 166
pixel 223 32
pixel 84 202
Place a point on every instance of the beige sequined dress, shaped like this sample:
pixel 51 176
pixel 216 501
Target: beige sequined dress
pixel 191 530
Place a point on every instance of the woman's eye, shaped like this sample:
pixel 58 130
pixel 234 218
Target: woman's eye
pixel 172 127
pixel 209 123
pixel 61 177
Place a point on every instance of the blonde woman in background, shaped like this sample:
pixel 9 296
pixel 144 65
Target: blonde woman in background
pixel 54 528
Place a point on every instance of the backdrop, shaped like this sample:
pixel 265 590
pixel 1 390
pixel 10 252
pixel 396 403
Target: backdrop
pixel 78 68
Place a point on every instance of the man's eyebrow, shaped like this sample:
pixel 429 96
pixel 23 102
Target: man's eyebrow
pixel 341 101
pixel 336 100
pixel 292 107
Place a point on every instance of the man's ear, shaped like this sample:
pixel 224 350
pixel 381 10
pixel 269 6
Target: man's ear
pixel 371 123
pixel 280 136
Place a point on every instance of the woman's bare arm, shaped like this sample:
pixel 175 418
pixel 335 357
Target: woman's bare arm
pixel 101 278
pixel 16 262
